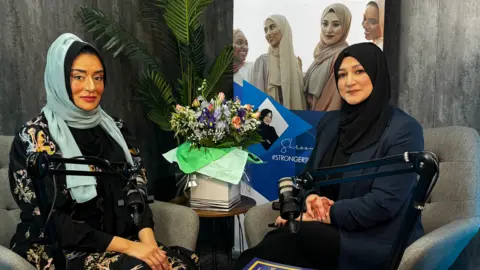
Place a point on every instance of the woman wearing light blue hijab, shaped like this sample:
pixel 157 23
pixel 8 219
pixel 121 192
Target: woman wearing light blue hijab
pixel 93 231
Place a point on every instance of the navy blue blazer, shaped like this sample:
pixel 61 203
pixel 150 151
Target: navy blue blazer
pixel 369 213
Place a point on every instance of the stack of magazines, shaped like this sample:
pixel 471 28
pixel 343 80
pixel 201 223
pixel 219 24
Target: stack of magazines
pixel 215 205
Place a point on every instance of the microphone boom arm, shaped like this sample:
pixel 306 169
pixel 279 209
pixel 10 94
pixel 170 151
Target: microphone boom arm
pixel 425 164
pixel 38 167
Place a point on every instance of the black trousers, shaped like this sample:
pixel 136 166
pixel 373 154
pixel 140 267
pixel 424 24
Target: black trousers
pixel 315 245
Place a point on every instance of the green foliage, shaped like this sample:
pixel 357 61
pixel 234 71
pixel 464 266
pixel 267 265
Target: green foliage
pixel 178 32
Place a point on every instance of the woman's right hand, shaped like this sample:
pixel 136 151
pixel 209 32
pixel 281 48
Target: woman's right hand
pixel 280 222
pixel 152 255
pixel 318 207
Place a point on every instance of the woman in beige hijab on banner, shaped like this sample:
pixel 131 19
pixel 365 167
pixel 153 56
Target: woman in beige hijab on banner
pixel 319 81
pixel 242 70
pixel 278 73
pixel 373 22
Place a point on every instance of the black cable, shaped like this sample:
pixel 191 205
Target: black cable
pixel 301 216
pixel 434 182
pixel 54 199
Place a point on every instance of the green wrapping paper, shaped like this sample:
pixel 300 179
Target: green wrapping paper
pixel 225 164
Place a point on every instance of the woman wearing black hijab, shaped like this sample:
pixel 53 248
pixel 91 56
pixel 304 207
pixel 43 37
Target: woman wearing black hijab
pixel 268 133
pixel 353 225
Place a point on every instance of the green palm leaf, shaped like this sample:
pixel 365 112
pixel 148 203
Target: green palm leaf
pixel 154 89
pixel 196 12
pixel 156 93
pixel 182 16
pixel 187 86
pixel 119 39
pixel 151 13
pixel 222 68
pixel 176 17
pixel 161 117
pixel 197 51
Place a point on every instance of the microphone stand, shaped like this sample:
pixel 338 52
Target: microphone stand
pixel 38 168
pixel 425 164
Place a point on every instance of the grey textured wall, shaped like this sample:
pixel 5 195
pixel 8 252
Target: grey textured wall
pixel 433 52
pixel 439 61
pixel 28 27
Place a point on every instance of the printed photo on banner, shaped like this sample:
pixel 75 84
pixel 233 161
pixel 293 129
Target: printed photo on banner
pixel 287 48
pixel 272 124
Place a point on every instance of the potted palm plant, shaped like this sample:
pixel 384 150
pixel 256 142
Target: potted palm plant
pixel 177 29
pixel 178 32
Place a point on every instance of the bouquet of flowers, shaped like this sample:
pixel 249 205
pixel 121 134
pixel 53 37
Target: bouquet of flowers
pixel 216 134
pixel 217 123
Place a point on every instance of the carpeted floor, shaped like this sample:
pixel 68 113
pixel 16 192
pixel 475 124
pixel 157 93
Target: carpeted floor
pixel 206 261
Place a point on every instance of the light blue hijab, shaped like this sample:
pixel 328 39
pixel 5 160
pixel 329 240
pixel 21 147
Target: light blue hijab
pixel 62 113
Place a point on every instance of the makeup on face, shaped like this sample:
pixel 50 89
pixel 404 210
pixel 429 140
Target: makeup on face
pixel 272 33
pixel 87 81
pixel 240 44
pixel 371 23
pixel 354 84
pixel 331 29
pixel 268 119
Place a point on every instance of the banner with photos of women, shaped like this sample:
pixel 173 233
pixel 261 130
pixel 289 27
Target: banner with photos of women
pixel 283 58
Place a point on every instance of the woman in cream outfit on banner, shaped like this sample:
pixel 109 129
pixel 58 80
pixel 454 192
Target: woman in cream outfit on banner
pixel 242 70
pixel 319 82
pixel 373 22
pixel 278 72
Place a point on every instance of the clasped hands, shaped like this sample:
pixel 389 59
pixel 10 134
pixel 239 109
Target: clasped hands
pixel 318 209
pixel 148 251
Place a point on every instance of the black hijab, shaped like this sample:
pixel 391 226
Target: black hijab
pixel 264 114
pixel 268 133
pixel 363 124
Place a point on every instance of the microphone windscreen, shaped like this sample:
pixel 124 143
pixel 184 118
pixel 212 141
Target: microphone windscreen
pixel 285 184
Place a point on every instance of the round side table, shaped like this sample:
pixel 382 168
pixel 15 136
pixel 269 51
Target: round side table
pixel 245 205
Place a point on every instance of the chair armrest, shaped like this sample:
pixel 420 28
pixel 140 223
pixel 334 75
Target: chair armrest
pixel 175 225
pixel 12 261
pixel 440 248
pixel 256 223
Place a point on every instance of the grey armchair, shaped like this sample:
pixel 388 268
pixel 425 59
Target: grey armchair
pixel 451 217
pixel 175 225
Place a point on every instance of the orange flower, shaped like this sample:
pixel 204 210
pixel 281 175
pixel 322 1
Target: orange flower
pixel 248 107
pixel 236 121
pixel 256 115
pixel 196 103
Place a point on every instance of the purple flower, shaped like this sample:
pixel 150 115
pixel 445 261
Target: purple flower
pixel 211 122
pixel 217 113
pixel 204 116
pixel 226 111
pixel 241 113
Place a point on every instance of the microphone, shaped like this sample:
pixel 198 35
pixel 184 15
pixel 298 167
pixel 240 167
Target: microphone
pixel 135 197
pixel 290 205
pixel 136 204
